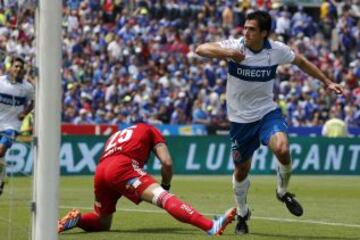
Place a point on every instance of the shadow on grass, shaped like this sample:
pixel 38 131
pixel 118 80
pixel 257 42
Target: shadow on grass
pixel 294 237
pixel 146 231
pixel 159 231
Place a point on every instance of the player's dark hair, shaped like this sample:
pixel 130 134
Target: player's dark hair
pixel 22 61
pixel 263 19
pixel 18 59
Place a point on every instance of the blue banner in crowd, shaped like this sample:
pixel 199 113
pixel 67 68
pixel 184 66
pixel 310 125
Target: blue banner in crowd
pixel 316 131
pixel 178 130
pixel 199 130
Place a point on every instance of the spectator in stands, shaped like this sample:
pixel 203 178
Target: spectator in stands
pixel 27 125
pixel 199 115
pixel 153 40
pixel 100 117
pixel 178 116
pixel 335 127
pixel 83 117
pixel 283 25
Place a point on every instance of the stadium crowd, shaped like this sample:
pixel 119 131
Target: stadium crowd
pixel 125 61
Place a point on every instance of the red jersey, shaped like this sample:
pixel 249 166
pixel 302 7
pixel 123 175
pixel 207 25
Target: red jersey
pixel 135 142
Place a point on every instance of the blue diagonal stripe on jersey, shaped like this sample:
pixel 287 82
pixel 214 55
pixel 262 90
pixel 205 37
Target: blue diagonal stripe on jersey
pixel 12 100
pixel 252 73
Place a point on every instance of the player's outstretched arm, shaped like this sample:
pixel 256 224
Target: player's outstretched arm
pixel 162 153
pixel 27 109
pixel 315 72
pixel 214 50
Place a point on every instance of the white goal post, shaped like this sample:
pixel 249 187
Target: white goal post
pixel 47 119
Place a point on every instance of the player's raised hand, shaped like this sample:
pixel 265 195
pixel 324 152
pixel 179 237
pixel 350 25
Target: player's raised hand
pixel 336 88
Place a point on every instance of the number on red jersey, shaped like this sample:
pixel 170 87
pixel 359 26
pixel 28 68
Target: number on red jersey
pixel 120 137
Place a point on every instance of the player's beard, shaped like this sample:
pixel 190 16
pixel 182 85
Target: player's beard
pixel 19 77
pixel 246 43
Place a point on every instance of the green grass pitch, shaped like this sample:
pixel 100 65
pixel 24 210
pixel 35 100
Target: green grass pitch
pixel 331 209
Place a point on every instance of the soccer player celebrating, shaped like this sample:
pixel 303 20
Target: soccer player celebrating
pixel 16 101
pixel 120 173
pixel 254 116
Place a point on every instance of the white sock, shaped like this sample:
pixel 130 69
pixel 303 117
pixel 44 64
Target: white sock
pixel 2 169
pixel 283 178
pixel 240 192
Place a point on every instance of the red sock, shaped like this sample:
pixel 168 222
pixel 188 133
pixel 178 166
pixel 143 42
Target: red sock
pixel 183 212
pixel 90 222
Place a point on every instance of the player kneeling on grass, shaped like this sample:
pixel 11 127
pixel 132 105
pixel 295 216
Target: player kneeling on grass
pixel 120 173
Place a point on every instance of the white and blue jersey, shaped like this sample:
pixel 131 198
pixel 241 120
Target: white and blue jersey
pixel 13 98
pixel 249 88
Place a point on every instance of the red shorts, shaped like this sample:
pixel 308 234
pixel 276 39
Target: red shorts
pixel 118 176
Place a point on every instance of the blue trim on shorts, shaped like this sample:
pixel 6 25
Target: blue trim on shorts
pixel 7 137
pixel 246 137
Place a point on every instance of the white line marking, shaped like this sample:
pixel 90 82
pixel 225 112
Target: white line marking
pixel 252 217
pixel 307 221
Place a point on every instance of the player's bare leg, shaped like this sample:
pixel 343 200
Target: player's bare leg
pixel 2 168
pixel 89 222
pixel 279 145
pixel 183 212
